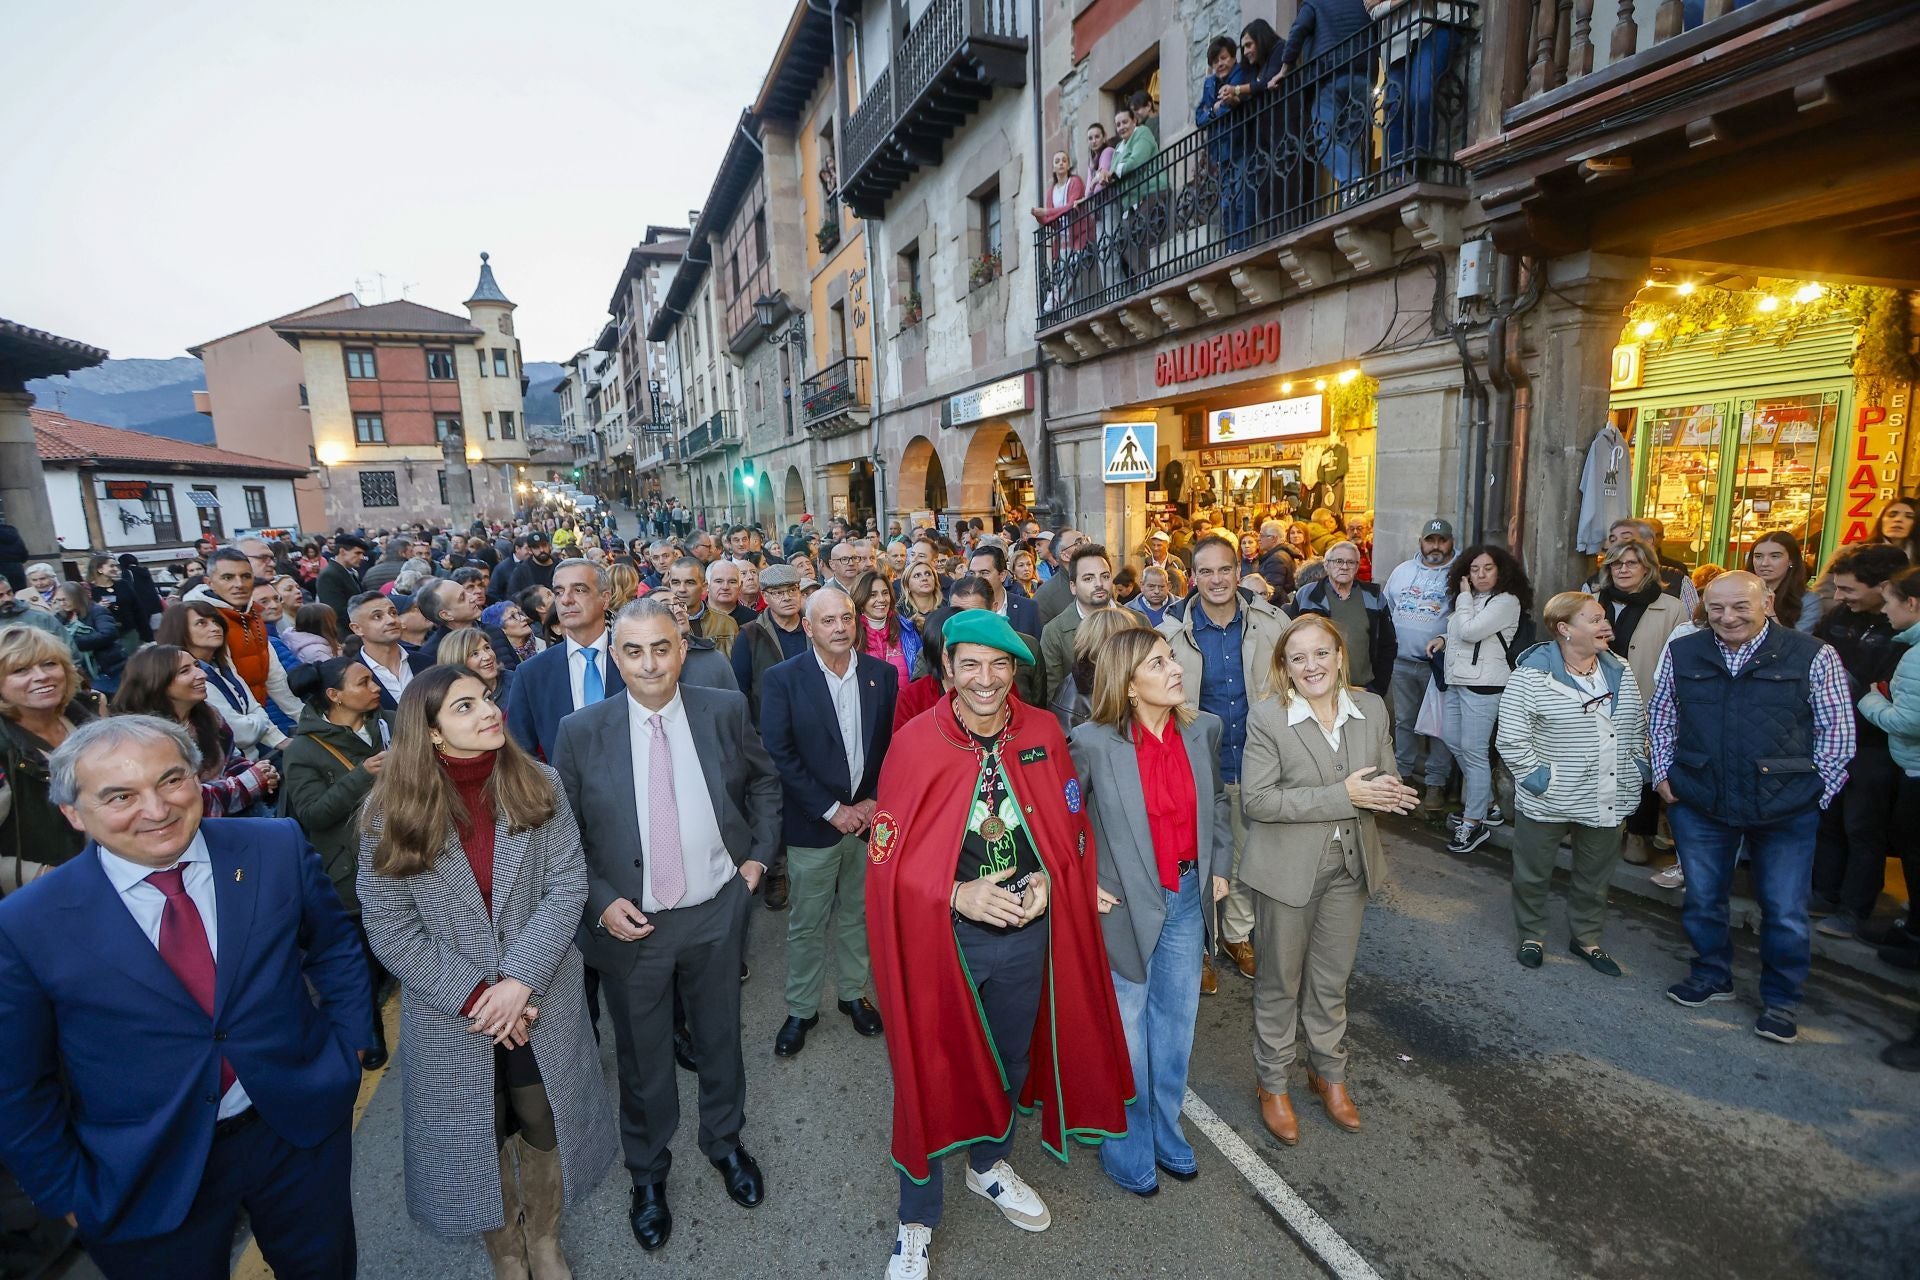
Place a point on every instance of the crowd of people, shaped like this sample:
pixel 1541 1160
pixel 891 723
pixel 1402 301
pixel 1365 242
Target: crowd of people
pixel 1021 797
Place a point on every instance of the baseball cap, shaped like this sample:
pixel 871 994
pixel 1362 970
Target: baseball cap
pixel 1436 527
pixel 1160 535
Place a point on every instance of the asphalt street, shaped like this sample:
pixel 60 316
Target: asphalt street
pixel 1525 1124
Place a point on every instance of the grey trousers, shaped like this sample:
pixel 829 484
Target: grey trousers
pixel 1236 909
pixel 1471 719
pixel 697 950
pixel 1409 687
pixel 1535 848
pixel 1305 956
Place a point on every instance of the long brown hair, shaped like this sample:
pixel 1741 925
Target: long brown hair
pixel 143 689
pixel 865 587
pixel 176 627
pixel 414 803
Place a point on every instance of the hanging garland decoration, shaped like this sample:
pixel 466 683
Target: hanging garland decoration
pixel 1729 318
pixel 1351 403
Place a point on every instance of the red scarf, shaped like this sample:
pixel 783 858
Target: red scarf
pixel 470 779
pixel 947 1087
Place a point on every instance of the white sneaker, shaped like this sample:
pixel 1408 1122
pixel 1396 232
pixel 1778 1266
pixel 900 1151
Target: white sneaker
pixel 911 1248
pixel 1020 1203
pixel 1670 878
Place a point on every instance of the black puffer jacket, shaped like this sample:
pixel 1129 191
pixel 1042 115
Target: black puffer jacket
pixel 1867 650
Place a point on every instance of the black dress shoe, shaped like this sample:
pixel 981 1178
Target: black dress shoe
pixel 866 1018
pixel 683 1049
pixel 793 1036
pixel 742 1177
pixel 375 1058
pixel 776 891
pixel 649 1216
pixel 1178 1175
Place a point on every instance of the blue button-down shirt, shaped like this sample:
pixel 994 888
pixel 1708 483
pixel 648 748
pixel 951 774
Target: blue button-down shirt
pixel 1223 681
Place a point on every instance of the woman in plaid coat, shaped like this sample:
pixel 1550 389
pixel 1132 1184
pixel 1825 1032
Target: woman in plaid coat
pixel 472 883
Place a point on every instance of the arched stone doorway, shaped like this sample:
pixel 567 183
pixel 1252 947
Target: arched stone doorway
pixel 923 480
pixel 796 498
pixel 995 475
pixel 768 513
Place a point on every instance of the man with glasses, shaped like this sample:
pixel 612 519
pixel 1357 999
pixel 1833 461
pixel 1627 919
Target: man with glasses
pixel 843 564
pixel 1360 610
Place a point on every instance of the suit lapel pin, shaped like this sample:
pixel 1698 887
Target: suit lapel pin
pixel 239 874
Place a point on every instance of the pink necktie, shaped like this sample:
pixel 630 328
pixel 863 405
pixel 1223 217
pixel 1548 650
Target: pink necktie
pixel 184 946
pixel 664 858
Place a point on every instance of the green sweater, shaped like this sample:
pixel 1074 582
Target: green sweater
pixel 1140 147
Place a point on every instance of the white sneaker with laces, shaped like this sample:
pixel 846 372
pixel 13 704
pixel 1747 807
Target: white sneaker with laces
pixel 911 1248
pixel 1020 1203
pixel 1670 877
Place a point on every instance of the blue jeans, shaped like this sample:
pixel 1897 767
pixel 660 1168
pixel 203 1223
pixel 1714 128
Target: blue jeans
pixel 1782 858
pixel 1410 84
pixel 1344 154
pixel 1158 1015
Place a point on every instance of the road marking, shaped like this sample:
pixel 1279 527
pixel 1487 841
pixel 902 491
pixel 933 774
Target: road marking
pixel 1312 1230
pixel 251 1265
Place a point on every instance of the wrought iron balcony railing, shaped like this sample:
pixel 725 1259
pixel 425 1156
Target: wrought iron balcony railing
pixel 1325 139
pixel 716 432
pixel 950 60
pixel 834 393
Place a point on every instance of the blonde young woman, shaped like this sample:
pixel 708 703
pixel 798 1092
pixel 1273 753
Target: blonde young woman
pixel 1318 765
pixel 472 881
pixel 920 592
pixel 470 649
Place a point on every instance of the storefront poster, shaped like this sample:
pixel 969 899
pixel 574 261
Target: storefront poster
pixel 1873 464
pixel 1272 420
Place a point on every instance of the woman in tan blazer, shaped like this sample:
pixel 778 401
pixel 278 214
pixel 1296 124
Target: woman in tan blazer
pixel 1318 765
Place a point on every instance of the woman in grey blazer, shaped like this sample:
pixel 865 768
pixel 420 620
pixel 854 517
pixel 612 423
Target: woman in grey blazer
pixel 1318 765
pixel 1149 768
pixel 472 882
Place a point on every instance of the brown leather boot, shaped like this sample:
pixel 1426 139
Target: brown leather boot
pixel 1337 1101
pixel 1277 1114
pixel 507 1244
pixel 1242 953
pixel 1209 980
pixel 543 1198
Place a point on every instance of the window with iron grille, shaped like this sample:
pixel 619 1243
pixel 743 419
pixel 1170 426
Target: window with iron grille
pixel 360 363
pixel 369 429
pixel 256 506
pixel 440 365
pixel 379 489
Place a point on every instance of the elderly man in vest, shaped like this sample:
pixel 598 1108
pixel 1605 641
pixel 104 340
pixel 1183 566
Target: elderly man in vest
pixel 1752 728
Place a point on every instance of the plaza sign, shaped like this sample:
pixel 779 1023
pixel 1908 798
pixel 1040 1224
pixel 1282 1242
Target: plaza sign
pixel 1247 348
pixel 1273 420
pixel 990 400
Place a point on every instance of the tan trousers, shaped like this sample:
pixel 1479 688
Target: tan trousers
pixel 1236 909
pixel 1306 957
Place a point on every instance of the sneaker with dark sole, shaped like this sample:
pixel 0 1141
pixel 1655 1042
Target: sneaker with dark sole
pixel 1494 817
pixel 1776 1025
pixel 1469 836
pixel 1694 992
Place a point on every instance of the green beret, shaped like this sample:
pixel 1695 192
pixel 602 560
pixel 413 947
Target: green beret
pixel 982 626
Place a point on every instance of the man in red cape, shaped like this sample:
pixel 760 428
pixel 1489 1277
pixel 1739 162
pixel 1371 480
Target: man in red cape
pixel 987 952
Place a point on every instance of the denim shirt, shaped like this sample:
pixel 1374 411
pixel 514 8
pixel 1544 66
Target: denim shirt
pixel 1223 683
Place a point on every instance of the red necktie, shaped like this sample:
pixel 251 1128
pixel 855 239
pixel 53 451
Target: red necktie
pixel 184 946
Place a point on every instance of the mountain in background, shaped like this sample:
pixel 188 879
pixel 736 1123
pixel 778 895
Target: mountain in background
pixel 155 396
pixel 542 398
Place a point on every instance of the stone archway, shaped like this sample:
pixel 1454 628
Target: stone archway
pixel 796 497
pixel 767 511
pixel 994 449
pixel 919 466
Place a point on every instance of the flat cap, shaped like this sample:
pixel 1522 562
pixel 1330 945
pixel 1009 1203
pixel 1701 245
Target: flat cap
pixel 779 575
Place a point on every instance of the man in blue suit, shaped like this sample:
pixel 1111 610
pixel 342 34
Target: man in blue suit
pixel 570 675
pixel 826 718
pixel 989 563
pixel 165 1066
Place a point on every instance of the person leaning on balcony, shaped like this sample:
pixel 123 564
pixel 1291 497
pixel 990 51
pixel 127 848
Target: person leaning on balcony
pixel 1321 27
pixel 1100 156
pixel 1069 237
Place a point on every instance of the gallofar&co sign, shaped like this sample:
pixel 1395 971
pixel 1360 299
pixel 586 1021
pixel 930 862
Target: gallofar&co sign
pixel 1257 344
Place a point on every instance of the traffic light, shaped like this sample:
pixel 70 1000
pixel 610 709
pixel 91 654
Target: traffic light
pixel 576 473
pixel 746 476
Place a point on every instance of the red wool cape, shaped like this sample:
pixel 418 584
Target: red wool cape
pixel 948 1089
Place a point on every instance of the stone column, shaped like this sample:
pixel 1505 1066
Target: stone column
pixel 453 454
pixel 23 486
pixel 1575 330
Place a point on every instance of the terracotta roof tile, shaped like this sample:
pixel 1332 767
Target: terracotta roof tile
pixel 64 439
pixel 387 317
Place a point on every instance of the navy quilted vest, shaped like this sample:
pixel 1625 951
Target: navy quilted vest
pixel 1744 747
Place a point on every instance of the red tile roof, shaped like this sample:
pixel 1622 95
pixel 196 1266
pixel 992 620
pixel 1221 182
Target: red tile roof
pixel 386 318
pixel 64 439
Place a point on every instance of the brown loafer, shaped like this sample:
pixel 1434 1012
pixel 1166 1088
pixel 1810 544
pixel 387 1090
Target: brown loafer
pixel 1209 980
pixel 1337 1101
pixel 1242 953
pixel 1277 1114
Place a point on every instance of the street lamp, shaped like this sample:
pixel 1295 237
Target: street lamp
pixel 769 309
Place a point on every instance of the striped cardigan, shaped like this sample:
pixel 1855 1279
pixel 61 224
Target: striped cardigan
pixel 1571 763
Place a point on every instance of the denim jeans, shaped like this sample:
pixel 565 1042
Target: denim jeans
pixel 1782 870
pixel 1007 971
pixel 1344 154
pixel 1410 85
pixel 1158 1015
pixel 1471 718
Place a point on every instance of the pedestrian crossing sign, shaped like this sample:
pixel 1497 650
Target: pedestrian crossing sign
pixel 1127 451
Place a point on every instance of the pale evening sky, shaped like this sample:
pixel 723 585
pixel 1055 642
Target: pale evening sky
pixel 177 172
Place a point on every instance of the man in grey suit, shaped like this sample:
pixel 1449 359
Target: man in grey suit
pixel 679 810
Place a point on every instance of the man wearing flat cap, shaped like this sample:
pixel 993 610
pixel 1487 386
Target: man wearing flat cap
pixel 981 903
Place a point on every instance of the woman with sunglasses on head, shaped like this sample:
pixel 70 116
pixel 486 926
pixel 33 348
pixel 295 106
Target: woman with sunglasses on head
pixel 1573 730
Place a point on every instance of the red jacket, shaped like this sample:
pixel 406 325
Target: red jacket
pixel 947 1086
